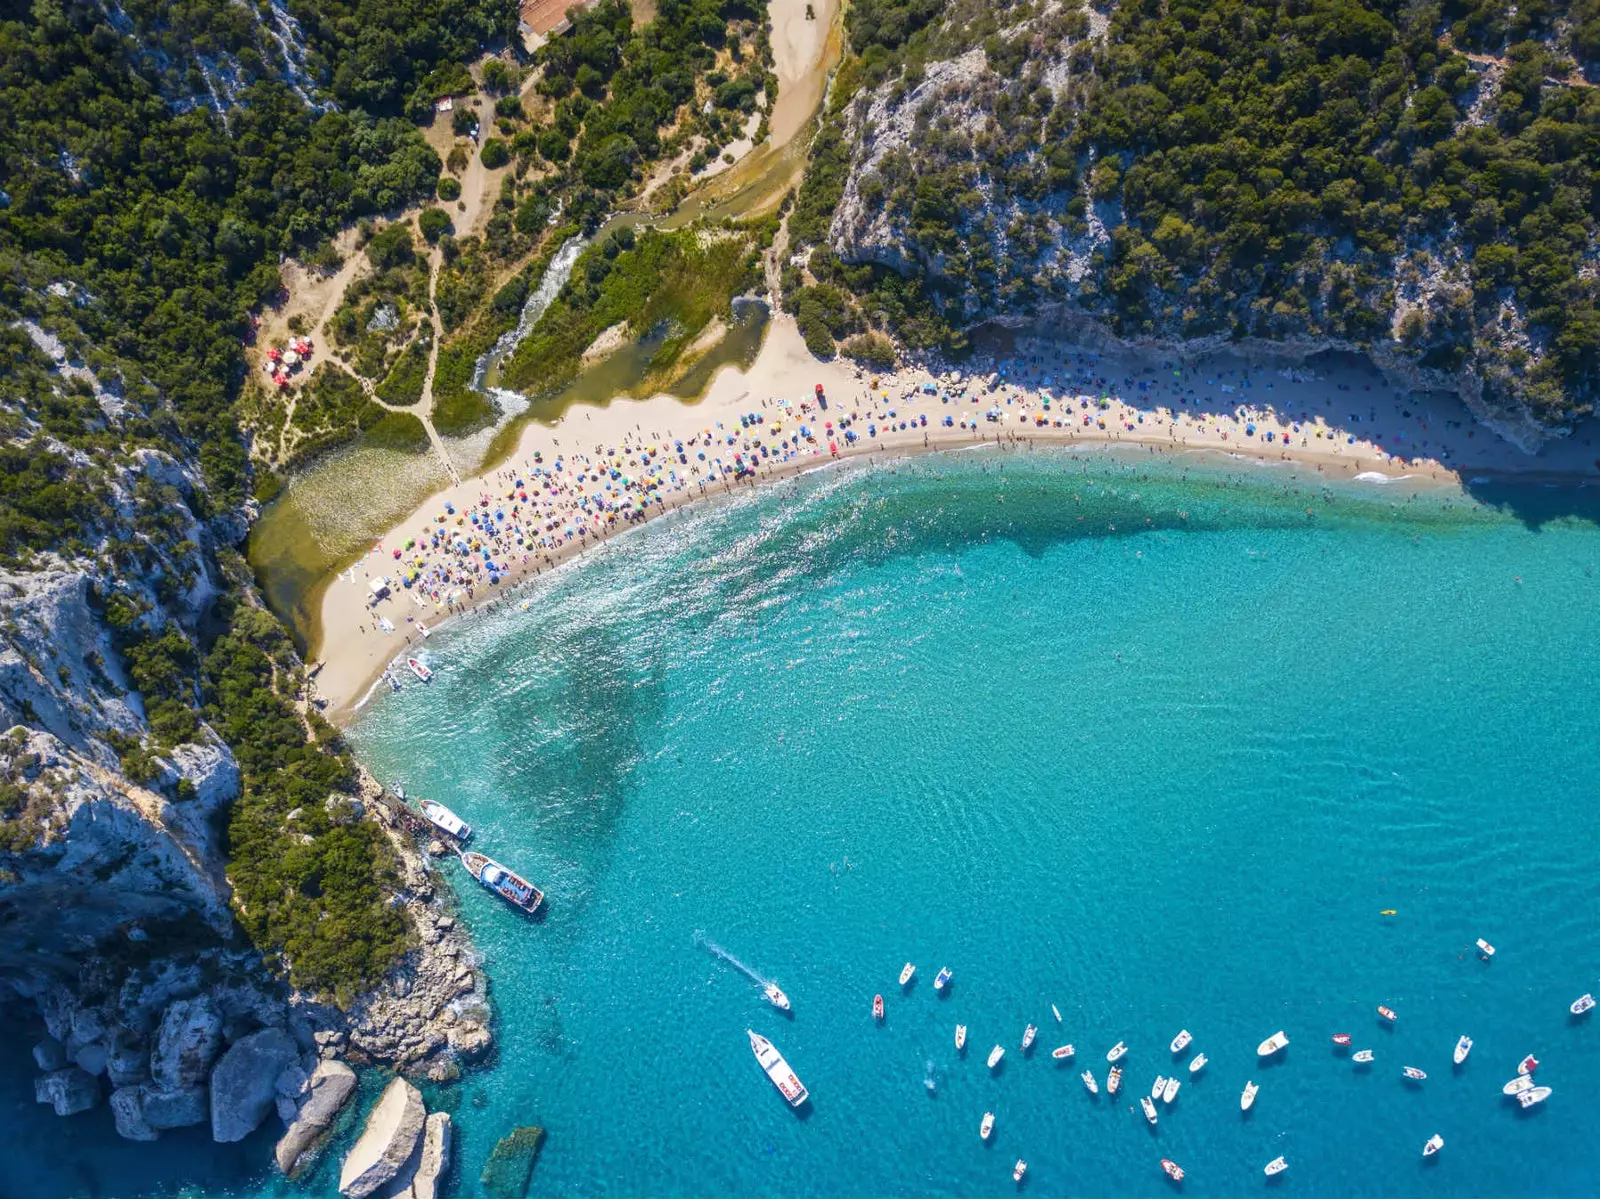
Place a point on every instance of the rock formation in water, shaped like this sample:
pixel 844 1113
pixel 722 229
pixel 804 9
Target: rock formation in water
pixel 309 1111
pixel 389 1150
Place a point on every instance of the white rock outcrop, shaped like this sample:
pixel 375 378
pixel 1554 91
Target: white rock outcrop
pixel 386 1155
pixel 324 1095
pixel 187 1043
pixel 435 1159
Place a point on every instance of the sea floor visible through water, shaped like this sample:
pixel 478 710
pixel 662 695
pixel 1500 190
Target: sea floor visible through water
pixel 1158 746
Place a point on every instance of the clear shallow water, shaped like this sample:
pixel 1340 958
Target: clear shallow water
pixel 1157 749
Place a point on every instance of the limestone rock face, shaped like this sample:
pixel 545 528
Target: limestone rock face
pixel 187 1043
pixel 325 1093
pixel 127 1109
pixel 386 1155
pixel 173 1109
pixel 435 1158
pixel 68 1091
pixel 244 1082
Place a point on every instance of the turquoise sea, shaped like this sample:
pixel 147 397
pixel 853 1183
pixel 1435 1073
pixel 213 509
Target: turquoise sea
pixel 1155 744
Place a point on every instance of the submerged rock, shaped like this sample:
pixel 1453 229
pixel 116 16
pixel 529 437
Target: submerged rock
pixel 68 1091
pixel 325 1093
pixel 386 1155
pixel 510 1166
pixel 435 1158
pixel 245 1081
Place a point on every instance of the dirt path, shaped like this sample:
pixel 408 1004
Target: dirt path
pixel 1574 79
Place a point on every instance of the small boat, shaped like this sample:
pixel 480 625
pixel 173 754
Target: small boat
pixel 1463 1047
pixel 1528 1065
pixel 987 1127
pixel 394 683
pixel 1533 1095
pixel 1057 1011
pixel 877 1007
pixel 1116 1052
pixel 1485 948
pixel 1387 1014
pixel 1342 1038
pixel 1249 1096
pixel 1170 1091
pixel 1412 1073
pixel 1433 1145
pixel 1090 1083
pixel 1581 1004
pixel 995 1055
pixel 1181 1041
pixel 1062 1052
pixel 1019 1170
pixel 777 1069
pixel 907 974
pixel 1173 1169
pixel 1114 1080
pixel 1158 1086
pixel 1149 1108
pixel 446 821
pixel 1028 1035
pixel 942 979
pixel 1361 1056
pixel 1519 1084
pixel 1278 1040
pixel 1198 1064
pixel 776 997
pixel 512 888
pixel 1276 1166
pixel 961 1037
pixel 418 669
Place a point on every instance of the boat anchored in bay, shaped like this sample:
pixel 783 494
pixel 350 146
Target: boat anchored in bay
pixel 784 1078
pixel 509 886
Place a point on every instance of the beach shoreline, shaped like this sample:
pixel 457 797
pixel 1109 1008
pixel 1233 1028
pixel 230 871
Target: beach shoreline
pixel 1225 420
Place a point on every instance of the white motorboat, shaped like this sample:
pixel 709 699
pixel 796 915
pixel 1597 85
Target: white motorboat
pixel 1089 1082
pixel 1528 1065
pixel 776 997
pixel 1581 1004
pixel 1116 1052
pixel 1149 1108
pixel 1158 1086
pixel 1170 1091
pixel 1519 1084
pixel 1198 1064
pixel 907 974
pixel 987 1127
pixel 1114 1080
pixel 1361 1057
pixel 1028 1035
pixel 1276 1166
pixel 1534 1095
pixel 1020 1169
pixel 942 979
pixel 1463 1047
pixel 1062 1052
pixel 1485 948
pixel 1181 1041
pixel 961 1037
pixel 777 1069
pixel 1433 1145
pixel 418 669
pixel 1057 1011
pixel 995 1055
pixel 1413 1074
pixel 446 821
pixel 1277 1041
pixel 1249 1097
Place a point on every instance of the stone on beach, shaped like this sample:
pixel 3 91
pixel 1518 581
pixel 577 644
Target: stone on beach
pixel 244 1082
pixel 386 1154
pixel 326 1092
pixel 68 1091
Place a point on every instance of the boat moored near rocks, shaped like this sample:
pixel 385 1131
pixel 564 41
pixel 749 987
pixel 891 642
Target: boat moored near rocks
pixel 446 821
pixel 513 888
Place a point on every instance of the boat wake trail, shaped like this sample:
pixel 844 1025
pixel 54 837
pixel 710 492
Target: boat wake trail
pixel 717 951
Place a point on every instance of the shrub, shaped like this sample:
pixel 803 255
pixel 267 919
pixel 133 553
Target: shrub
pixel 434 223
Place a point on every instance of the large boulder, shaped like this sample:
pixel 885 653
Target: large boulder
pixel 186 1043
pixel 244 1082
pixel 127 1109
pixel 128 1061
pixel 68 1091
pixel 173 1109
pixel 325 1093
pixel 386 1155
pixel 50 1054
pixel 435 1159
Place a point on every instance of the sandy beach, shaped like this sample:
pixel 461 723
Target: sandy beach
pixel 600 470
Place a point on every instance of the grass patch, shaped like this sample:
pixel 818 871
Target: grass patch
pixel 396 431
pixel 403 385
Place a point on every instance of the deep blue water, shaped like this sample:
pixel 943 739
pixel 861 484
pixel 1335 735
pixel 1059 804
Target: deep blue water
pixel 1157 748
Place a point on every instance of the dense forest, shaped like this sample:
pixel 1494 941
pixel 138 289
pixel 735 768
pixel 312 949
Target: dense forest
pixel 1314 168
